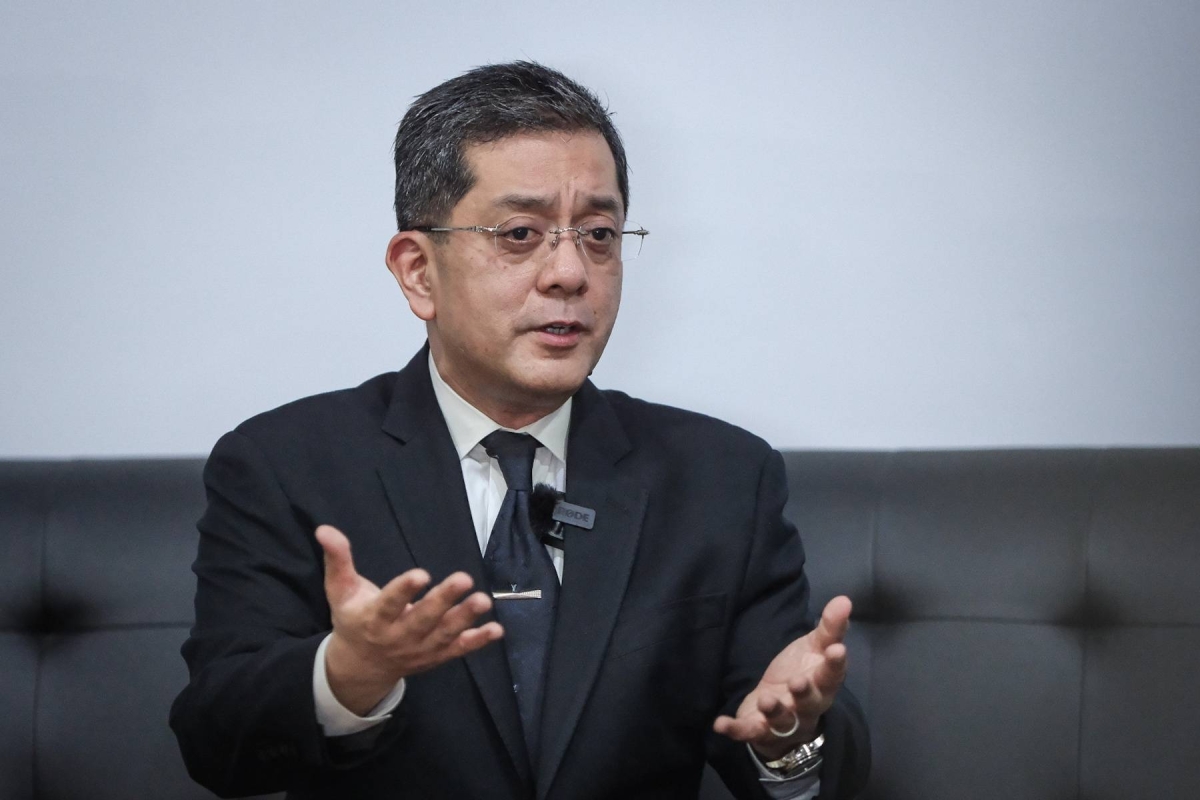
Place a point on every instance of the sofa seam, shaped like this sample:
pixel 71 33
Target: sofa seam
pixel 1094 492
pixel 876 513
pixel 53 483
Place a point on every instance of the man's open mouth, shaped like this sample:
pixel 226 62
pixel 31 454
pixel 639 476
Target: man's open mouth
pixel 559 329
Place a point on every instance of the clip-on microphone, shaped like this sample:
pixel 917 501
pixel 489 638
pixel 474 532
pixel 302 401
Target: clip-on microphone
pixel 548 511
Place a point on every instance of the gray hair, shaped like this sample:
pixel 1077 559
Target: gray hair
pixel 485 105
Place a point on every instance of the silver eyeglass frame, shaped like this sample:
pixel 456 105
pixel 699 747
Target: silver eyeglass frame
pixel 495 230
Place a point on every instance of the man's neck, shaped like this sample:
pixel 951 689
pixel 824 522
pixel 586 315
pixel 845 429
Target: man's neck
pixel 511 416
pixel 468 425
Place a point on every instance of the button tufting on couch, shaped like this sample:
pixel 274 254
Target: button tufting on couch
pixel 1027 622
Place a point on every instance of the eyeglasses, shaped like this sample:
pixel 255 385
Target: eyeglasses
pixel 519 240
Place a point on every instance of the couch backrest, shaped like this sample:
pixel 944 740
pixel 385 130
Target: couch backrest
pixel 1028 622
pixel 95 601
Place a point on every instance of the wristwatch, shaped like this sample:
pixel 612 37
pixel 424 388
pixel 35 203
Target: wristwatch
pixel 800 759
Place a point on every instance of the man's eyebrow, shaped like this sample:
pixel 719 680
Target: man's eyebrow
pixel 605 203
pixel 524 202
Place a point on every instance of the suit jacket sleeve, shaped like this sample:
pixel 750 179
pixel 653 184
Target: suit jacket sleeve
pixel 246 722
pixel 771 611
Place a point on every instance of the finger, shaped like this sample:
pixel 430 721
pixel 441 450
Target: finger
pixel 464 643
pixel 427 612
pixel 810 701
pixel 779 712
pixel 835 621
pixel 800 688
pixel 462 616
pixel 474 638
pixel 772 706
pixel 831 672
pixel 341 579
pixel 740 729
pixel 395 598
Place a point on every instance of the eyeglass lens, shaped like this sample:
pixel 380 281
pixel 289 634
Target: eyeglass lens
pixel 601 244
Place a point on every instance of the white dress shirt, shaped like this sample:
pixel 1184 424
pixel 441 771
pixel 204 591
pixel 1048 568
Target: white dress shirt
pixel 486 487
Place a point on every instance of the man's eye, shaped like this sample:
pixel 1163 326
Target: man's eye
pixel 521 233
pixel 602 235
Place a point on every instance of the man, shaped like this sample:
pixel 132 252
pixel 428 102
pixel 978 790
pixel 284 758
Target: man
pixel 340 649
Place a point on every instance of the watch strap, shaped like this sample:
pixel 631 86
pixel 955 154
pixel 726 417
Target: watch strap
pixel 799 759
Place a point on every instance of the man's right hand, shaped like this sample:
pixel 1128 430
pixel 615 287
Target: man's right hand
pixel 381 635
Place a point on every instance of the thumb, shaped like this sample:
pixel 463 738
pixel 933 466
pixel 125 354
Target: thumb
pixel 835 619
pixel 340 577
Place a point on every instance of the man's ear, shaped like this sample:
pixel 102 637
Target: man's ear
pixel 409 258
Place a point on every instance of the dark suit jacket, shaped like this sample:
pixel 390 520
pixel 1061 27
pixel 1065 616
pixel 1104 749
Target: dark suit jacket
pixel 670 610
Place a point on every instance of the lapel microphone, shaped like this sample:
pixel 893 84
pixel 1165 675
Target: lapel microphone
pixel 549 511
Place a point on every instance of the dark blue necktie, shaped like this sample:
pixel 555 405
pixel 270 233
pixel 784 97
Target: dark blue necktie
pixel 515 563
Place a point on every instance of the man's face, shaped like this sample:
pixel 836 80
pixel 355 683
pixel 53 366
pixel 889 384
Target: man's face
pixel 517 336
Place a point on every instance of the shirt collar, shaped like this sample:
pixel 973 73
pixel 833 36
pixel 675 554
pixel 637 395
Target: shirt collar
pixel 468 425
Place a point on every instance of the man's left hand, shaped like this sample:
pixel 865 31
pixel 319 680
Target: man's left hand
pixel 797 688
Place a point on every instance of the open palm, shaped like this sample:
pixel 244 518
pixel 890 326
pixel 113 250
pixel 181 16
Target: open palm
pixel 797 688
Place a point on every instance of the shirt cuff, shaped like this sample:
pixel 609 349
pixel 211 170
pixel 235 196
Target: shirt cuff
pixel 337 720
pixel 802 787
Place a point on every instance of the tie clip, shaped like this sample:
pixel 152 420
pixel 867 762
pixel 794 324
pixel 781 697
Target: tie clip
pixel 533 594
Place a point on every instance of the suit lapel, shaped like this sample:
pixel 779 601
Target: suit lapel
pixel 596 568
pixel 423 481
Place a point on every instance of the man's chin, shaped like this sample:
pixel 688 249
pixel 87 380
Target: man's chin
pixel 557 390
pixel 556 380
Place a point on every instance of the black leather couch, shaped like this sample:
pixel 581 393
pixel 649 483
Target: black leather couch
pixel 1028 622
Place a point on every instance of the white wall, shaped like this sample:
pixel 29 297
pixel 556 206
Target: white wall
pixel 926 224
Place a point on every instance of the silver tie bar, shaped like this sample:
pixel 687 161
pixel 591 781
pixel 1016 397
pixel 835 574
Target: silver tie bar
pixel 534 594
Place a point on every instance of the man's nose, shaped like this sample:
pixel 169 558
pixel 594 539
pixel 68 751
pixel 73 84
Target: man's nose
pixel 566 264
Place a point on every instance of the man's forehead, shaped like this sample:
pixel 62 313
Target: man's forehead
pixel 538 171
pixel 545 203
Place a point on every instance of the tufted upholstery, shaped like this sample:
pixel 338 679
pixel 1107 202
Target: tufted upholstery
pixel 95 601
pixel 1028 622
